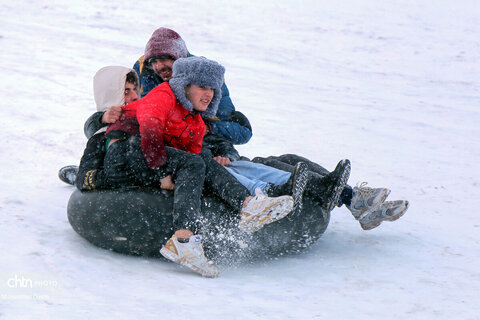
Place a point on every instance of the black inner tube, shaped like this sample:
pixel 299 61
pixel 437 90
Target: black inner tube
pixel 138 221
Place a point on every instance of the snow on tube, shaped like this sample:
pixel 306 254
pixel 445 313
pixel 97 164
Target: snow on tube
pixel 138 221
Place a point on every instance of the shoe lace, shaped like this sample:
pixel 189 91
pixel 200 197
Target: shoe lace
pixel 363 190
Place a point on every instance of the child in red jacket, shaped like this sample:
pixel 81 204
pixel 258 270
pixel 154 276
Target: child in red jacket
pixel 170 125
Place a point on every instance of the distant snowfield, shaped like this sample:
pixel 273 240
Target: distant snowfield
pixel 393 86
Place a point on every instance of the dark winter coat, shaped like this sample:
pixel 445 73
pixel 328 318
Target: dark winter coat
pixel 93 124
pixel 162 121
pixel 90 172
pixel 233 131
pixel 108 88
pixel 221 146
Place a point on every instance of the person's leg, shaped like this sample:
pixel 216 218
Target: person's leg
pixel 357 200
pixel 260 172
pixel 366 204
pixel 117 169
pixel 126 165
pixel 256 175
pixel 185 246
pixel 272 180
pixel 224 185
pixel 291 160
pixel 188 173
pixel 250 184
pixel 255 212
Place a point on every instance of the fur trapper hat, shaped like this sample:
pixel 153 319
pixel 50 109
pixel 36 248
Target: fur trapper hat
pixel 165 42
pixel 201 72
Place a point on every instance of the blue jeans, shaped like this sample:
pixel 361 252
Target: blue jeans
pixel 255 175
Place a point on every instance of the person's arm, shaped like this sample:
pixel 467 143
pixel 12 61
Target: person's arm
pixel 238 132
pixel 90 174
pixel 237 128
pixel 93 124
pixel 101 119
pixel 226 107
pixel 151 119
pixel 218 145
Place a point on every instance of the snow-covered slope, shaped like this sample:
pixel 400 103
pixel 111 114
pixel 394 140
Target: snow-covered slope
pixel 391 85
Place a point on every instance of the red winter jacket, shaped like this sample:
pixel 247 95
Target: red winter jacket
pixel 162 121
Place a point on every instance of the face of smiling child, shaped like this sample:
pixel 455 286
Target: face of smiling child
pixel 200 97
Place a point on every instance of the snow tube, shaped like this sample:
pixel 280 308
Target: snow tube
pixel 139 221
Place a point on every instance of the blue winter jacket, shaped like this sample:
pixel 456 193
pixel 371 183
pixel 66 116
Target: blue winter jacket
pixel 235 132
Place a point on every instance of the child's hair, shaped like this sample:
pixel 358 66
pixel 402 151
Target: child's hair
pixel 132 78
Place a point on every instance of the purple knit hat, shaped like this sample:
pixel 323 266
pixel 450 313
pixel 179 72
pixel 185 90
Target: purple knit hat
pixel 165 42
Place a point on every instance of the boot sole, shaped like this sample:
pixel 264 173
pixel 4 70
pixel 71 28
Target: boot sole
pixel 62 174
pixel 393 218
pixel 300 183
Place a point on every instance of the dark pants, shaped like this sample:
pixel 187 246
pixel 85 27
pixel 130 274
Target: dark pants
pixel 125 160
pixel 222 184
pixel 287 162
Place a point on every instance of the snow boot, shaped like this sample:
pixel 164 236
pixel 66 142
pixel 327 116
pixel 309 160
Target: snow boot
pixel 295 186
pixel 387 211
pixel 300 179
pixel 262 210
pixel 327 190
pixel 68 174
pixel 366 199
pixel 189 252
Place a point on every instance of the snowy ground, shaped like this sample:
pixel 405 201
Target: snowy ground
pixel 391 85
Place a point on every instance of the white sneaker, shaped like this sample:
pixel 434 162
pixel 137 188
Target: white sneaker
pixel 189 254
pixel 366 200
pixel 388 211
pixel 262 210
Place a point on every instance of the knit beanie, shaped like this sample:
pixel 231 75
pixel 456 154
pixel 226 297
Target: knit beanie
pixel 165 42
pixel 201 72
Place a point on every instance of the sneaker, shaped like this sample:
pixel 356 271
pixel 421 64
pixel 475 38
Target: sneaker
pixel 387 211
pixel 189 254
pixel 336 181
pixel 262 210
pixel 68 174
pixel 300 178
pixel 366 199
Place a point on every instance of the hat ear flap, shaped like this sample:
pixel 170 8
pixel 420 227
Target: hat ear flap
pixel 213 107
pixel 178 85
